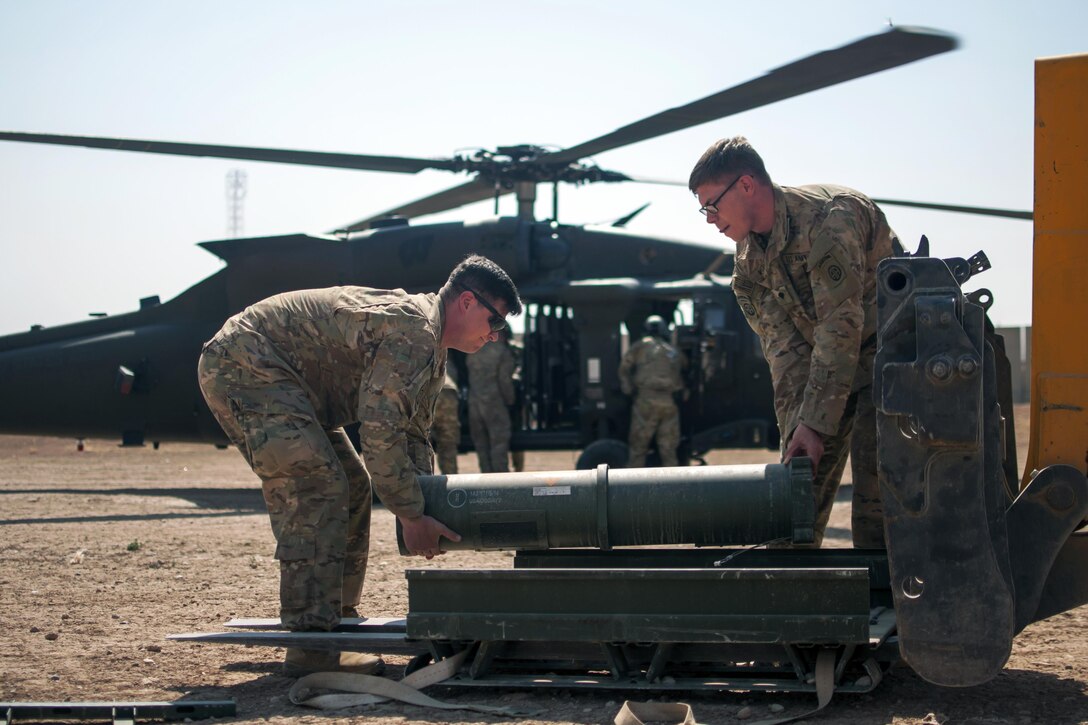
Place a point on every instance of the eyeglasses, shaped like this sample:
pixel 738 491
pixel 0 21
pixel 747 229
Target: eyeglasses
pixel 712 207
pixel 496 321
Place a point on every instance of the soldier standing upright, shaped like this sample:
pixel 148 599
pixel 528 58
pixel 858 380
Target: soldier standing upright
pixel 490 395
pixel 805 279
pixel 285 375
pixel 517 458
pixel 446 430
pixel 652 371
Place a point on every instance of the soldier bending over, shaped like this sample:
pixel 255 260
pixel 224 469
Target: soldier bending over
pixel 286 374
pixel 805 279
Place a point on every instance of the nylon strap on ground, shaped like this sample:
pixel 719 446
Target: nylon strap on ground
pixel 636 713
pixel 371 690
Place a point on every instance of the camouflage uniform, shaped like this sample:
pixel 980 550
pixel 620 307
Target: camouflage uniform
pixel 808 289
pixel 490 393
pixel 446 430
pixel 283 377
pixel 651 371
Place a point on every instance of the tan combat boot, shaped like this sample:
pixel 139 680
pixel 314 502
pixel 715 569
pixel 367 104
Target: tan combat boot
pixel 301 662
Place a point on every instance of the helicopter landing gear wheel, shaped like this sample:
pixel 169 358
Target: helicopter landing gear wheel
pixel 683 457
pixel 607 450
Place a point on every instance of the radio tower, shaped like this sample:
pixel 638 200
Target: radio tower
pixel 236 196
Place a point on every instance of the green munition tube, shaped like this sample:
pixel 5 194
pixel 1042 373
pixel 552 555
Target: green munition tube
pixel 603 508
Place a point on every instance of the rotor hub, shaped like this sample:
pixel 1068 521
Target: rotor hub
pixel 508 165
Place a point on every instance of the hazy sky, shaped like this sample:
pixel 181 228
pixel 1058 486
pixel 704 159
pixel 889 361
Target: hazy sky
pixel 86 230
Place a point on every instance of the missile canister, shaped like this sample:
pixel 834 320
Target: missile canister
pixel 603 508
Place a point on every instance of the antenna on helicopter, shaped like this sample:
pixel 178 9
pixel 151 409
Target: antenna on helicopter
pixel 236 196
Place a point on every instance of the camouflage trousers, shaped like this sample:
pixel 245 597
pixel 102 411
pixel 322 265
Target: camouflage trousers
pixel 446 431
pixel 654 414
pixel 489 425
pixel 856 438
pixel 316 488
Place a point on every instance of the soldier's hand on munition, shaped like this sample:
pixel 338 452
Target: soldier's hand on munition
pixel 805 442
pixel 421 535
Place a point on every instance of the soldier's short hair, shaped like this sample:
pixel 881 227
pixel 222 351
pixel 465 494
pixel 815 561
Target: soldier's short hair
pixel 480 274
pixel 728 157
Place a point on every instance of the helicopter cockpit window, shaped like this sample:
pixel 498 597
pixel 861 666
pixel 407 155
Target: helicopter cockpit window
pixel 714 318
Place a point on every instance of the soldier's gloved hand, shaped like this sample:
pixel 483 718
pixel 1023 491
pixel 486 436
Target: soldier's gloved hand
pixel 805 442
pixel 421 535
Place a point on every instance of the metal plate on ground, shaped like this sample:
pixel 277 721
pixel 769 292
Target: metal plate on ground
pixel 121 711
pixel 347 624
pixel 373 642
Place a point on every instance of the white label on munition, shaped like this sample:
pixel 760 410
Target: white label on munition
pixel 551 490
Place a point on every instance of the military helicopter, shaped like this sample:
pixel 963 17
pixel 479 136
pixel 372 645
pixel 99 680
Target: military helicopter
pixel 132 374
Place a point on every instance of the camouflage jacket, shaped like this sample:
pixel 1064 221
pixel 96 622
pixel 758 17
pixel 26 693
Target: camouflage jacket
pixel 361 354
pixel 652 366
pixel 808 289
pixel 491 374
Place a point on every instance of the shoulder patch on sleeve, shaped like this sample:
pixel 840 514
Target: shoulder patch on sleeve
pixel 743 291
pixel 833 269
pixel 834 273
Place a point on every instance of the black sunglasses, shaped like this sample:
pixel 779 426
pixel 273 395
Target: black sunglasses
pixel 496 321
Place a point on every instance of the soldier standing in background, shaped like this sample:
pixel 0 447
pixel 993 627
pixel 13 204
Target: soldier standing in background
pixel 805 279
pixel 517 458
pixel 490 395
pixel 446 430
pixel 285 375
pixel 651 371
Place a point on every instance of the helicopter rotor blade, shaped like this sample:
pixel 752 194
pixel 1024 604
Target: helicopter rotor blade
pixel 475 190
pixel 979 210
pixel 397 164
pixel 957 208
pixel 871 54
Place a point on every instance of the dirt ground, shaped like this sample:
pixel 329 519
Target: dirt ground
pixel 106 551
